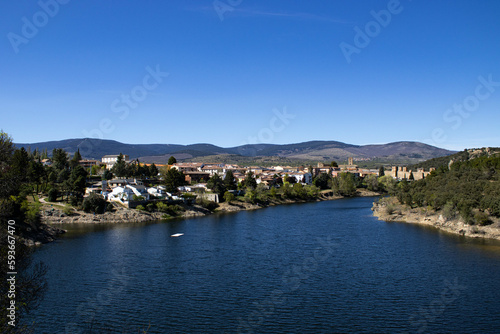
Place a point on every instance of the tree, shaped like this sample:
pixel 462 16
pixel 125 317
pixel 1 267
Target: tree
pixel 173 179
pixel 230 181
pixel 6 149
pixel 153 170
pixel 30 280
pixel 107 175
pixel 381 171
pixel 53 193
pixel 388 184
pixel 76 159
pixel 334 164
pixel 77 183
pixel 20 164
pixel 249 181
pixel 250 195
pixel 36 174
pixel 312 191
pixel 344 184
pixel 94 170
pixel 216 184
pixel 371 182
pixel 323 181
pixel 172 160
pixel 94 203
pixel 228 197
pixel 140 170
pixel 290 179
pixel 59 159
pixel 120 167
pixel 299 191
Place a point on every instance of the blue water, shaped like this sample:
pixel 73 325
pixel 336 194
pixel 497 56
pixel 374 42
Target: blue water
pixel 326 267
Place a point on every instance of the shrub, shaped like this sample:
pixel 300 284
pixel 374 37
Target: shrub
pixel 110 207
pixel 151 207
pixel 312 191
pixel 228 197
pixel 162 207
pixel 250 196
pixel 389 209
pixel 140 208
pixel 172 210
pixel 94 203
pixel 31 212
pixel 68 210
pixel 209 205
pixel 482 218
pixel 449 210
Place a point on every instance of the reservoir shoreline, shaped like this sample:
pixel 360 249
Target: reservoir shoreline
pixel 390 210
pixel 52 217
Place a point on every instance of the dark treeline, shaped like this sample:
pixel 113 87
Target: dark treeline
pixel 468 188
pixel 20 177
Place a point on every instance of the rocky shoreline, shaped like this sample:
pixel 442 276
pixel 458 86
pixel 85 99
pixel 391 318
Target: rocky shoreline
pixel 389 209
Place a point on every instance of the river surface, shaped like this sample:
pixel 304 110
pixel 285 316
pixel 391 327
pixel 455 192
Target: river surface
pixel 325 267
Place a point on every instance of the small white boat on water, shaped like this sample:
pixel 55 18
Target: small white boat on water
pixel 177 235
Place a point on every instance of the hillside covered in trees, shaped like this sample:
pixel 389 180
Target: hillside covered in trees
pixel 467 187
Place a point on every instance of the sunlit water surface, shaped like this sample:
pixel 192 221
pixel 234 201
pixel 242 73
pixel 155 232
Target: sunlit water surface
pixel 326 267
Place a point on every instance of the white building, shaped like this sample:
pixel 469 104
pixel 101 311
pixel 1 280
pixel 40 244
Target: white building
pixel 302 177
pixel 110 159
pixel 126 193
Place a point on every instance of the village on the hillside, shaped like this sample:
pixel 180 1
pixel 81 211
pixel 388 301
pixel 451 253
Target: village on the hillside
pixel 130 191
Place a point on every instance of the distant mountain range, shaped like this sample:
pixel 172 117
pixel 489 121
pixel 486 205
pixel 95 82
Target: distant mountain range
pixel 311 150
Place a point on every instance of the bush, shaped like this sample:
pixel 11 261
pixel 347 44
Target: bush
pixel 94 203
pixel 172 210
pixel 250 196
pixel 68 210
pixel 53 194
pixel 140 208
pixel 151 207
pixel 189 197
pixel 228 197
pixel 31 212
pixel 482 218
pixel 209 205
pixel 162 207
pixel 389 209
pixel 110 207
pixel 449 210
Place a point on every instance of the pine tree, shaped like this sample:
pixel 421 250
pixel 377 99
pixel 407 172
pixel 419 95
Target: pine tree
pixel 120 167
pixel 250 181
pixel 216 184
pixel 76 159
pixel 230 181
pixel 173 179
pixel 60 159
pixel 172 160
pixel 153 170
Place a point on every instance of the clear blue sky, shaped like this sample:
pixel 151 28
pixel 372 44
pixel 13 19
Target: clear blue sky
pixel 232 69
